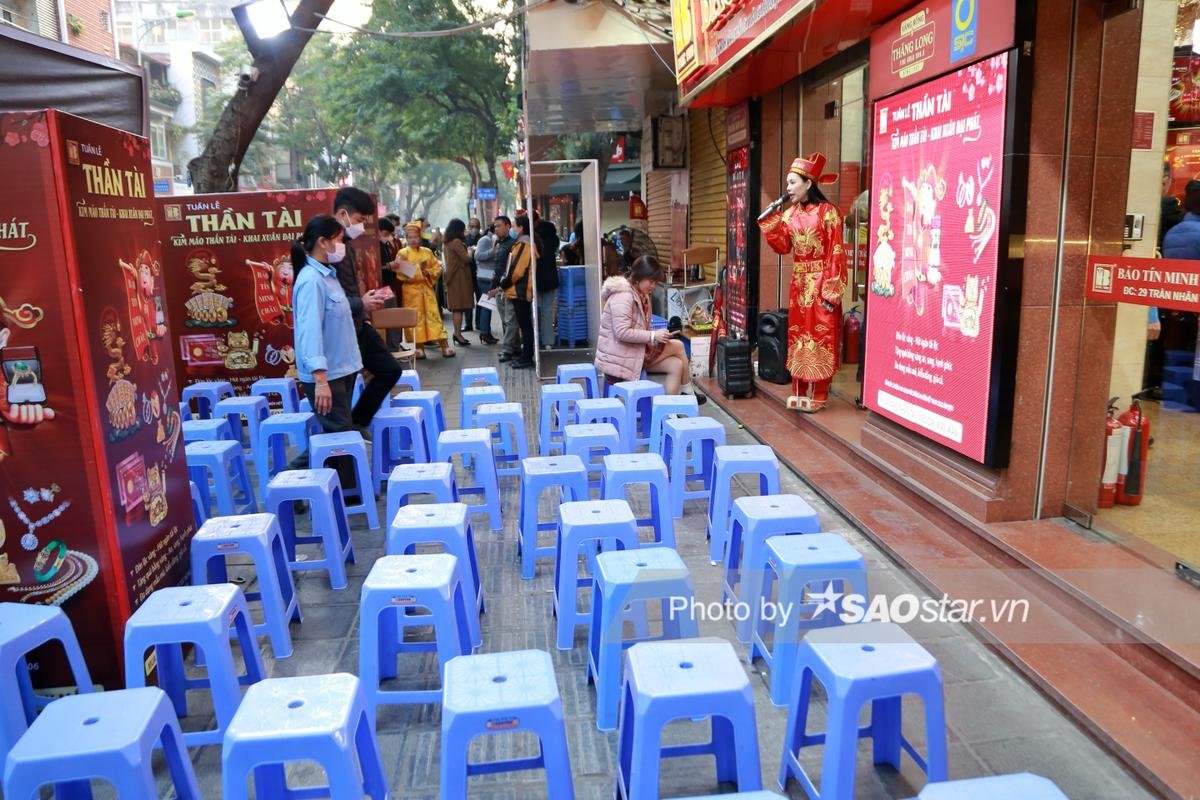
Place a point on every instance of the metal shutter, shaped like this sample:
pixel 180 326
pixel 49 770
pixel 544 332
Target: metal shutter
pixel 658 209
pixel 706 176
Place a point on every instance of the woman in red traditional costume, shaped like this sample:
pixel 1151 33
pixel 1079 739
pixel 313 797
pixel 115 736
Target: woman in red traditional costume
pixel 811 230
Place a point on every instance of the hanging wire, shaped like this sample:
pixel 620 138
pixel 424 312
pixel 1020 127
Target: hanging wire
pixel 434 34
pixel 642 25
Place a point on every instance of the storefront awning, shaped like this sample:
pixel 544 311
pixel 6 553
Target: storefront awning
pixel 620 178
pixel 592 69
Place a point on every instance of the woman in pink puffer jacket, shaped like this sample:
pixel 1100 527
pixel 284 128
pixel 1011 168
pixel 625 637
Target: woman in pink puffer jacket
pixel 627 345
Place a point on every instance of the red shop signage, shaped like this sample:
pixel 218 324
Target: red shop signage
pixel 731 28
pixel 935 36
pixel 1159 282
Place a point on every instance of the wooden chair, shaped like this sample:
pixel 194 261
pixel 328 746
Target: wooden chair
pixel 393 319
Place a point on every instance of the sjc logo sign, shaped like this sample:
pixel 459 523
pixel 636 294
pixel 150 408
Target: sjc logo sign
pixel 965 14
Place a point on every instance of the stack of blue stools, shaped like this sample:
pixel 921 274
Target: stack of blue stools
pixel 572 325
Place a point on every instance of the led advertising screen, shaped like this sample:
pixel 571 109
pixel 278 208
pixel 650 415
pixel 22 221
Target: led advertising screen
pixel 935 219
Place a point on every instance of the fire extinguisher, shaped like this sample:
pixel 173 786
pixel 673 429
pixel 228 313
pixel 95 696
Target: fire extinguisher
pixel 1131 483
pixel 851 331
pixel 1112 456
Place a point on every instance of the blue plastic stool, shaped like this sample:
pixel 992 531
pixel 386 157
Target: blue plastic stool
pixel 754 520
pixel 200 615
pixel 568 373
pixel 325 446
pixel 225 462
pixel 23 629
pixel 473 396
pixel 430 404
pixel 870 662
pixel 331 529
pixel 503 692
pixel 584 440
pixel 448 525
pixel 207 430
pixel 396 434
pixel 728 462
pixel 605 409
pixel 477 376
pixel 259 537
pixel 305 406
pixel 740 796
pixel 666 681
pixel 641 576
pixel 321 718
pixel 1022 786
pixel 394 589
pixel 556 412
pixel 106 735
pixel 609 522
pixel 359 385
pixel 637 397
pixel 510 446
pixel 477 443
pixel 567 475
pixel 435 479
pixel 409 379
pixel 622 471
pixel 690 441
pixel 199 509
pixel 665 406
pixel 274 436
pixel 249 410
pixel 284 388
pixel 206 394
pixel 823 561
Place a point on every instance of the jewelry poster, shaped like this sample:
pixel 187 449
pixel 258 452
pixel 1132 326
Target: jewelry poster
pixel 230 277
pixel 934 247
pixel 94 499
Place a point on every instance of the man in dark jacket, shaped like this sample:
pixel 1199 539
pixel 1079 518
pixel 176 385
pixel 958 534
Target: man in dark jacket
pixel 352 207
pixel 517 287
pixel 547 242
pixel 510 341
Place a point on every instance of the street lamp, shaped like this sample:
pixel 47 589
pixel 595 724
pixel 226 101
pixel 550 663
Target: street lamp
pixel 151 24
pixel 260 20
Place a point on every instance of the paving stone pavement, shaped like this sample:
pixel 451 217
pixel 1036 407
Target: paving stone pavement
pixel 997 723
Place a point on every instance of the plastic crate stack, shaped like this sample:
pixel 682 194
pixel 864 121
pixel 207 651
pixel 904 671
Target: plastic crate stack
pixel 572 325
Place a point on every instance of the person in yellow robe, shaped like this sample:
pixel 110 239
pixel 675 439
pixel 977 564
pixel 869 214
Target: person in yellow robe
pixel 417 291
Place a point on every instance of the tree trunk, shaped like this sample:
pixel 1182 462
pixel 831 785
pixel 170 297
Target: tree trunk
pixel 216 169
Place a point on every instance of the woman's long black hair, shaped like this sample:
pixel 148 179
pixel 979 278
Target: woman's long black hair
pixel 455 229
pixel 815 195
pixel 645 268
pixel 322 226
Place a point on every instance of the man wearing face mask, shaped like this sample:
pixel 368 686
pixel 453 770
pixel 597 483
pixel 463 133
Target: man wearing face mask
pixel 352 207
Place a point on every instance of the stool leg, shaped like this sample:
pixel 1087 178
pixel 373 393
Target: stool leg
pixel 369 760
pixel 885 730
pixel 644 758
pixel 797 723
pixel 170 675
pixel 178 763
pixel 287 585
pixel 937 758
pixel 527 541
pixel 555 756
pixel 135 782
pixel 725 751
pixel 838 765
pixel 455 743
pixel 463 621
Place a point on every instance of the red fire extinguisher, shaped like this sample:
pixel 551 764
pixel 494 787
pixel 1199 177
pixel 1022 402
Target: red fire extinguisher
pixel 1112 456
pixel 1131 482
pixel 851 331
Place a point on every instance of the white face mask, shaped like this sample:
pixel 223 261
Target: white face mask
pixel 337 254
pixel 356 230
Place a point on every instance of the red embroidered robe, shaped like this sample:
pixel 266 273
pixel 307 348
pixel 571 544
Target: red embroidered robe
pixel 813 235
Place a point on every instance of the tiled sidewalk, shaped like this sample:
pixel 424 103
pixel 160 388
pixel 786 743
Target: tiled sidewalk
pixel 997 722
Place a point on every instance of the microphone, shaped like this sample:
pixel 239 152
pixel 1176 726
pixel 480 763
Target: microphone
pixel 771 209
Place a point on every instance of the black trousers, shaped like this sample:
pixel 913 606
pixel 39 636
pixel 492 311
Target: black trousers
pixel 524 309
pixel 384 369
pixel 337 420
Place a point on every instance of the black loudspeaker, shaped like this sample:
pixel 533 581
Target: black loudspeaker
pixel 735 374
pixel 772 346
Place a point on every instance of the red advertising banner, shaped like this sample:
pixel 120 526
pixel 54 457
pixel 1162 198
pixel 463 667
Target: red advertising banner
pixel 1159 282
pixel 935 192
pixel 96 511
pixel 933 37
pixel 732 28
pixel 737 218
pixel 1183 158
pixel 1185 90
pixel 230 280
